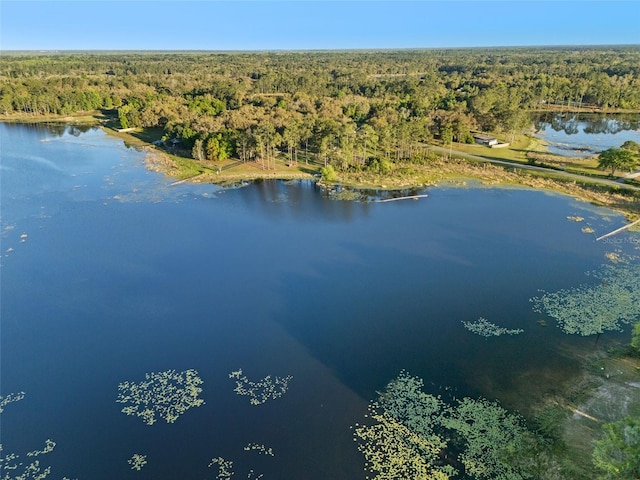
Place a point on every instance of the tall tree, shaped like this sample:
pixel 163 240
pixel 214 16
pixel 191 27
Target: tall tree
pixel 291 137
pixel 617 159
pixel 306 133
pixel 617 453
pixel 198 150
pixel 368 140
pixel 212 147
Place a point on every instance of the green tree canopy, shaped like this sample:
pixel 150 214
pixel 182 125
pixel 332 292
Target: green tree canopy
pixel 631 146
pixel 617 454
pixel 617 159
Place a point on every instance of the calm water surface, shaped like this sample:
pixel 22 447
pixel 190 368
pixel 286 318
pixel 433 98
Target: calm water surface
pixel 121 274
pixel 585 135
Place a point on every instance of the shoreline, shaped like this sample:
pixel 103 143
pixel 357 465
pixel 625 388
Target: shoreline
pixel 458 169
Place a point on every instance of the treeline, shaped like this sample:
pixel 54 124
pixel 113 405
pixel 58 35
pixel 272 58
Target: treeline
pixel 350 108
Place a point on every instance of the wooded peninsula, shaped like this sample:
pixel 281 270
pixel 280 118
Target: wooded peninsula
pixel 383 119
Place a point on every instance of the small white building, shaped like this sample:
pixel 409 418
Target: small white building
pixel 485 139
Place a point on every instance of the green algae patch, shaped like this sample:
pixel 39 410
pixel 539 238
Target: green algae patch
pixel 485 328
pixel 612 301
pixel 10 398
pixel 166 394
pixel 400 439
pixel 412 434
pixel 269 388
pixel 14 466
pixel 224 468
pixel 137 461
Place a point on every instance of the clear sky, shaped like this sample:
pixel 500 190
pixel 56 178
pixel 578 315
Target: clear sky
pixel 278 25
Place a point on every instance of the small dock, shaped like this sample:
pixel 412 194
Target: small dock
pixel 185 180
pixel 409 197
pixel 618 230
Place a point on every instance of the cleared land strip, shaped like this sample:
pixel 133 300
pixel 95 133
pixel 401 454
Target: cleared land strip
pixel 557 173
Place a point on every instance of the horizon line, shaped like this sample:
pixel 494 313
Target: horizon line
pixel 311 50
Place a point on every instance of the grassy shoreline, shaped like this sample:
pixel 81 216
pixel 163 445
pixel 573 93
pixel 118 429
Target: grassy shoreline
pixel 453 170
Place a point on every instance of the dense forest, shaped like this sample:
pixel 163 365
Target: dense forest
pixel 351 109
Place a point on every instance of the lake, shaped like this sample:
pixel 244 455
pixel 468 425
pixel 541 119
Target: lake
pixel 110 273
pixel 585 135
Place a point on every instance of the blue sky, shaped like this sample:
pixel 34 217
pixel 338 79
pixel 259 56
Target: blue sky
pixel 278 25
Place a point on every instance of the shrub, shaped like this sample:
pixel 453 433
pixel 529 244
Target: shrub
pixel 635 337
pixel 328 174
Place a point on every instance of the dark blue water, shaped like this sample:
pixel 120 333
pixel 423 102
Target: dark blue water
pixel 121 274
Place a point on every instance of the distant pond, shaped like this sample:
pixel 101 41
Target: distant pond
pixel 584 135
pixel 175 329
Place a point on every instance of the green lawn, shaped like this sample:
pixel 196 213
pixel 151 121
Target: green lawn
pixel 525 149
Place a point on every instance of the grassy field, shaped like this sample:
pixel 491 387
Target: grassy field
pixel 531 150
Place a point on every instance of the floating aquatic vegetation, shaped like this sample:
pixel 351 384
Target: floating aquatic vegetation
pixel 14 469
pixel 11 467
pixel 137 461
pixel 613 257
pixel 594 309
pixel 12 397
pixel 490 433
pixel 408 432
pixel 260 391
pixel 166 394
pixel 575 218
pixel 261 449
pixel 48 447
pixel 401 442
pixel 485 328
pixel 225 468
